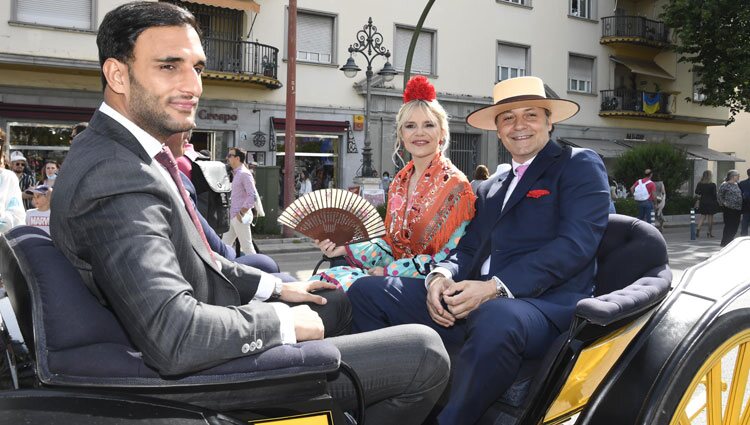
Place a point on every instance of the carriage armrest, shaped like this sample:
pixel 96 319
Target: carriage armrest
pixel 629 301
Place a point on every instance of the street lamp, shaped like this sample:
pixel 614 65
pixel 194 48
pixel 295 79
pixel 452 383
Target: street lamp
pixel 369 44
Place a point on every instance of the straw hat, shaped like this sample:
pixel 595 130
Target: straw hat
pixel 519 93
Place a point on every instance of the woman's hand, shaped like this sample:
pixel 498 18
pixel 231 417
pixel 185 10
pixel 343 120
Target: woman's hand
pixel 376 271
pixel 330 249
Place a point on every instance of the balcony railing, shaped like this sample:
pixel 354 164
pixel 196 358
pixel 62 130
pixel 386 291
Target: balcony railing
pixel 241 57
pixel 636 27
pixel 642 102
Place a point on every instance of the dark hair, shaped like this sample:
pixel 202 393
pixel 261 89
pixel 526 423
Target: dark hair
pixel 78 128
pixel 240 153
pixel 121 27
pixel 481 172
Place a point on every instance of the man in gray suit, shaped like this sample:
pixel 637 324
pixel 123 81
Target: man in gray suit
pixel 121 219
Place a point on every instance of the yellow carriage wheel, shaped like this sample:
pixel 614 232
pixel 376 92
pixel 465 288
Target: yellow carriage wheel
pixel 716 394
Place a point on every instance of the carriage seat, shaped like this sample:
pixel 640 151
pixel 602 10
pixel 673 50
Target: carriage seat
pixel 78 342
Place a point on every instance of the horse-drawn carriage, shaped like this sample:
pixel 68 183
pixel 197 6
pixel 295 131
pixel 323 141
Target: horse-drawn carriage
pixel 639 352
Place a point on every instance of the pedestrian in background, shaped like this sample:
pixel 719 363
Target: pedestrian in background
pixel 26 178
pixel 12 212
pixel 51 168
pixel 745 188
pixel 243 200
pixel 481 173
pixel 305 185
pixel 39 216
pixel 643 193
pixel 660 200
pixel 707 205
pixel 730 199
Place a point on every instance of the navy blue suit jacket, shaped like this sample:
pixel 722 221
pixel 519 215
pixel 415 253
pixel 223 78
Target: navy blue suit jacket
pixel 543 248
pixel 745 188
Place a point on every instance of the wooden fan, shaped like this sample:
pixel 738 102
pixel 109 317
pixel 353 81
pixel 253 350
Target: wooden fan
pixel 339 215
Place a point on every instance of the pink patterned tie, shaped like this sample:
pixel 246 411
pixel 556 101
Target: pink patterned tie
pixel 520 170
pixel 166 159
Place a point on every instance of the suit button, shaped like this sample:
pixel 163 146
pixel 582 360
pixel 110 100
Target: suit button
pixel 253 346
pixel 260 344
pixel 245 348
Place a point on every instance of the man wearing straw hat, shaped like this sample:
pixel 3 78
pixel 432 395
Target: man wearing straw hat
pixel 528 256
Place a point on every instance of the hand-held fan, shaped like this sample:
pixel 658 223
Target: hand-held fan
pixel 339 215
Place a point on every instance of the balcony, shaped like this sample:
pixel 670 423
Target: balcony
pixel 241 61
pixel 635 103
pixel 634 30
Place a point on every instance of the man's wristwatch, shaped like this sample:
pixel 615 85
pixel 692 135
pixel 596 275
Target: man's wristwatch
pixel 276 294
pixel 500 291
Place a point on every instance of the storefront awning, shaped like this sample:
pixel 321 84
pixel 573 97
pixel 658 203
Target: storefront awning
pixel 643 67
pixel 710 154
pixel 230 4
pixel 605 148
pixel 313 125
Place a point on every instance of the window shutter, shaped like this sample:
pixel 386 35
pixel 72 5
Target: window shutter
pixel 68 14
pixel 315 34
pixel 421 62
pixel 581 68
pixel 511 56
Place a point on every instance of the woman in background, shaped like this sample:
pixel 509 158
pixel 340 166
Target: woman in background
pixel 730 199
pixel 481 173
pixel 707 204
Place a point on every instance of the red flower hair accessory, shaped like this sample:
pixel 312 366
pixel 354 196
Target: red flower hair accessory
pixel 418 88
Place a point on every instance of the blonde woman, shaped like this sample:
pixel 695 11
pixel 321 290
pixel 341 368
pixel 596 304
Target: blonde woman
pixel 430 201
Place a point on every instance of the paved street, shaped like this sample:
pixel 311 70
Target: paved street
pixel 299 257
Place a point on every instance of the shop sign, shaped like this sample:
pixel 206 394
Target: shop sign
pixel 218 115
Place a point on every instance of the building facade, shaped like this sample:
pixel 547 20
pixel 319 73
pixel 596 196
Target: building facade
pixel 612 57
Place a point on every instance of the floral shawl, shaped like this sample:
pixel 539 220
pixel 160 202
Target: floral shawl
pixel 442 201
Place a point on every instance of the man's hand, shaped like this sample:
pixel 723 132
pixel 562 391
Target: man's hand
pixel 464 297
pixel 242 213
pixel 307 324
pixel 330 249
pixel 299 292
pixel 440 315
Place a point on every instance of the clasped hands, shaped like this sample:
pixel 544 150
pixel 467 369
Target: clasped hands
pixel 460 298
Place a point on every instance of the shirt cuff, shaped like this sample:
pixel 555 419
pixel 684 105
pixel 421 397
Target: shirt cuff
pixel 437 272
pixel 286 323
pixel 265 286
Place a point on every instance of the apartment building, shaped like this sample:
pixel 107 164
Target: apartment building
pixel 613 57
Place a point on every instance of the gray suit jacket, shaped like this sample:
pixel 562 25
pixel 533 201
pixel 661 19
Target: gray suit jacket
pixel 129 235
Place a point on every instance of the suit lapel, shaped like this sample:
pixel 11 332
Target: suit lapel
pixel 106 125
pixel 546 157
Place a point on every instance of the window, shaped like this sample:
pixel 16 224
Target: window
pixel 464 151
pixel 580 74
pixel 521 2
pixel 511 61
pixel 76 14
pixel 699 94
pixel 315 37
pixel 423 61
pixel 581 8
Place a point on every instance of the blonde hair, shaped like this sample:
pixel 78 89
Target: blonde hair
pixel 432 109
pixel 707 177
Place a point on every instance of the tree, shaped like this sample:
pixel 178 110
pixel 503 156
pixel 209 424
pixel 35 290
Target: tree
pixel 670 163
pixel 713 35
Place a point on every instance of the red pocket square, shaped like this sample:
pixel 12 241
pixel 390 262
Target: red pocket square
pixel 538 193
